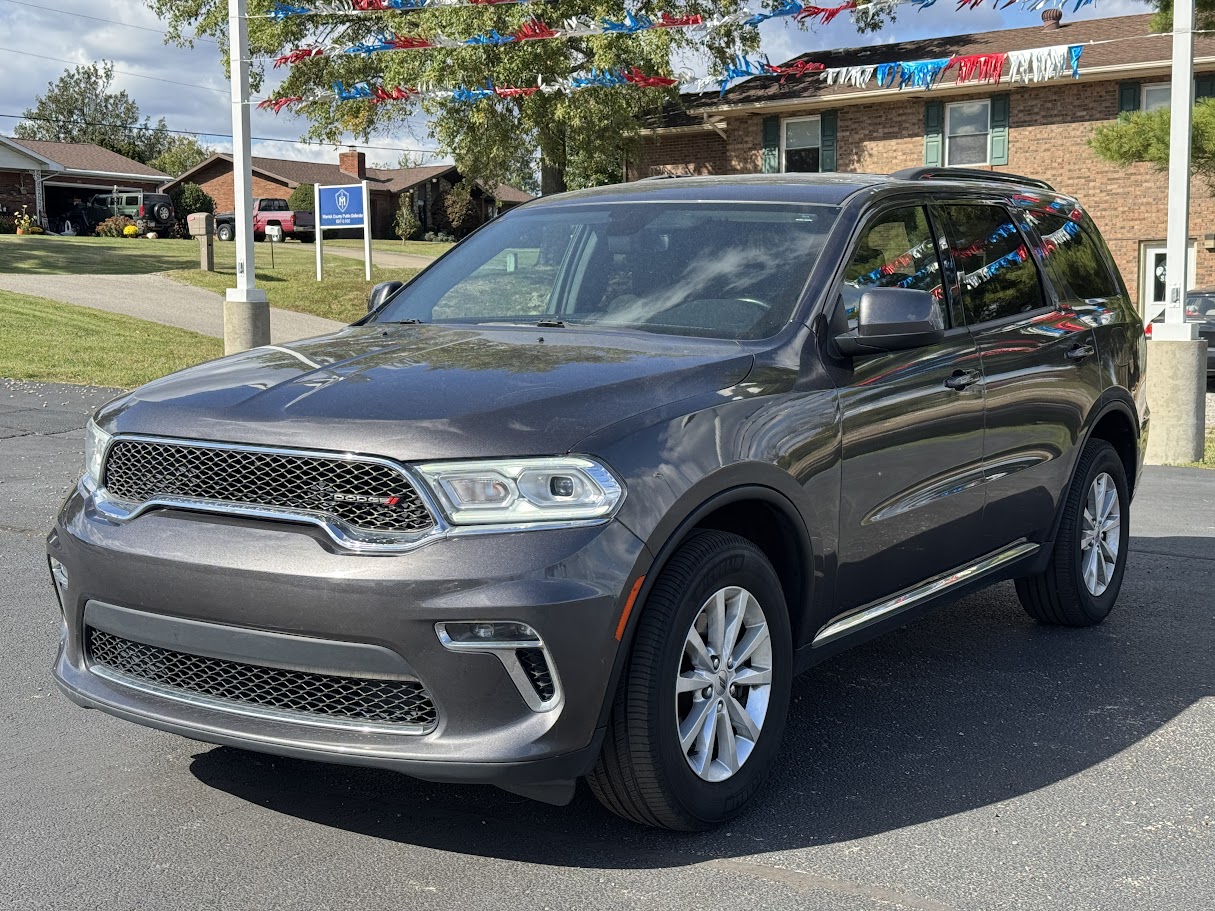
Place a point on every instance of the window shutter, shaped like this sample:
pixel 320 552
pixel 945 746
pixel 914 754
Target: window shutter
pixel 1128 97
pixel 771 160
pixel 1204 86
pixel 934 139
pixel 828 124
pixel 999 129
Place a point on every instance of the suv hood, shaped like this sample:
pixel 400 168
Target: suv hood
pixel 430 392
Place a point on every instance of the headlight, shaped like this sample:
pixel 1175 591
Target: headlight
pixel 523 491
pixel 95 442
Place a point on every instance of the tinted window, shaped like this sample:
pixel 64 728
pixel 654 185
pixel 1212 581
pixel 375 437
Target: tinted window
pixel 714 269
pixel 273 205
pixel 995 267
pixel 1075 259
pixel 896 251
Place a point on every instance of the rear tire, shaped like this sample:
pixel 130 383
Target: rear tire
pixel 715 623
pixel 225 233
pixel 1081 583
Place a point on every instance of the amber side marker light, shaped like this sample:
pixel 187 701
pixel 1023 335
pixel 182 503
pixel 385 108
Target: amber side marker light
pixel 628 608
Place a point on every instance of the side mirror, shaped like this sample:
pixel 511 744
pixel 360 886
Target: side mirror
pixel 381 292
pixel 893 319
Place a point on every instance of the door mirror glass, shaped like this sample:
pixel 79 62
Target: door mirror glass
pixel 381 292
pixel 893 319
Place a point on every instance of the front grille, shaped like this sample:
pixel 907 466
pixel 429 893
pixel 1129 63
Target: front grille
pixel 536 667
pixel 140 470
pixel 349 699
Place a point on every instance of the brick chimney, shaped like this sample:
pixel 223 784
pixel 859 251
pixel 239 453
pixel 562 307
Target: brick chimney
pixel 354 163
pixel 1051 17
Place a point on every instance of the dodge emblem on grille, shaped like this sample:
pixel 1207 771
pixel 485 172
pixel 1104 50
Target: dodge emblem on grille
pixel 359 498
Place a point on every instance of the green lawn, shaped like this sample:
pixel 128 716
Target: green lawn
pixel 415 247
pixel 1208 456
pixel 292 283
pixel 49 255
pixel 58 343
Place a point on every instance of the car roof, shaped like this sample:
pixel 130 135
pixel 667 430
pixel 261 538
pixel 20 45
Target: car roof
pixel 820 189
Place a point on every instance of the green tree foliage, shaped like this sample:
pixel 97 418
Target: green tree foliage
pixel 302 198
pixel 1144 136
pixel 458 206
pixel 189 198
pixel 81 107
pixel 406 223
pixel 181 154
pixel 576 139
pixel 1162 21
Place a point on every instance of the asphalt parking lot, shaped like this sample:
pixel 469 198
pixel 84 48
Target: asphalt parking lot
pixel 973 760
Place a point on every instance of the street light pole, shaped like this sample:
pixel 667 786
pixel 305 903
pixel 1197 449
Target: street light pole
pixel 246 311
pixel 1177 358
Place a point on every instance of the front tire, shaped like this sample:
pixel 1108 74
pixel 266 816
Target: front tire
pixel 225 233
pixel 1081 583
pixel 700 708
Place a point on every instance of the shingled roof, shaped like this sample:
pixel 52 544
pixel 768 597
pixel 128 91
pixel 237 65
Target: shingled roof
pixel 1117 55
pixel 89 158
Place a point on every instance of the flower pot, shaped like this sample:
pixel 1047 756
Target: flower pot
pixel 21 230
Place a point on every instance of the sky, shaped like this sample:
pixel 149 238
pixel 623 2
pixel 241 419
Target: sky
pixel 188 87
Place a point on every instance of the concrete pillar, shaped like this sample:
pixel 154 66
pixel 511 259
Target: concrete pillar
pixel 1176 388
pixel 246 322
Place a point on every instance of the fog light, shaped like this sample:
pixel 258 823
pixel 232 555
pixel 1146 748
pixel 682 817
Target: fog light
pixel 59 575
pixel 490 633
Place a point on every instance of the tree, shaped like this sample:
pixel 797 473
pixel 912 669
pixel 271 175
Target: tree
pixel 576 139
pixel 80 107
pixel 406 223
pixel 182 154
pixel 458 206
pixel 302 198
pixel 1144 136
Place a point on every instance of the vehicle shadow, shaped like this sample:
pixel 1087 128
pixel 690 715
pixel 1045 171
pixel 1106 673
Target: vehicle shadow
pixel 973 705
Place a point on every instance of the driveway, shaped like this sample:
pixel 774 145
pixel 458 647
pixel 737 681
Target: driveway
pixel 160 300
pixel 973 760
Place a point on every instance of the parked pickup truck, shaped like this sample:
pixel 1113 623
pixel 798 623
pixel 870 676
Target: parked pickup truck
pixel 268 211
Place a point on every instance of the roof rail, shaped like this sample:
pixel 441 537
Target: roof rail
pixel 970 174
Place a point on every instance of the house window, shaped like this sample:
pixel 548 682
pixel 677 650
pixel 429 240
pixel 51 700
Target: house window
pixel 1156 96
pixel 967 132
pixel 801 143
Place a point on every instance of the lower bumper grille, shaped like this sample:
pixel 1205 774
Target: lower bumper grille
pixel 537 670
pixel 305 695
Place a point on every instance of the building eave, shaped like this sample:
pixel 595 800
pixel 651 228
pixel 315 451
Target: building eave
pixel 714 115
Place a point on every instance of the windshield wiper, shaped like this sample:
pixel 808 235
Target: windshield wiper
pixel 550 324
pixel 405 322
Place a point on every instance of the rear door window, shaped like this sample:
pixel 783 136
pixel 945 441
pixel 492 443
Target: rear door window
pixel 996 270
pixel 896 250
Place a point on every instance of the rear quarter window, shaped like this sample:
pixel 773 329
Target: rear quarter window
pixel 1075 260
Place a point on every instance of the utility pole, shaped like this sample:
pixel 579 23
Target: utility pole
pixel 246 311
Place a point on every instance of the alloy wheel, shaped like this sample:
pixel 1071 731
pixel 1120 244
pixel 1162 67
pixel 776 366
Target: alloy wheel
pixel 1100 534
pixel 724 683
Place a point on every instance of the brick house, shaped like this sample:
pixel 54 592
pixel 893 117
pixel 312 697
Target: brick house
pixel 47 177
pixel 1039 129
pixel 428 186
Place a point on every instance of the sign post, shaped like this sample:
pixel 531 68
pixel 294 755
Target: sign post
pixel 344 206
pixel 246 310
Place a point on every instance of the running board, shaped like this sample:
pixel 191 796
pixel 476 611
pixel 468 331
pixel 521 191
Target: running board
pixel 867 616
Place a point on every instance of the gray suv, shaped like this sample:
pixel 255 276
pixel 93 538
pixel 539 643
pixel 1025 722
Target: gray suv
pixel 581 498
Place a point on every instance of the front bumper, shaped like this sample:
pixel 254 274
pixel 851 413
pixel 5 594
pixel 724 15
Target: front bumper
pixel 290 581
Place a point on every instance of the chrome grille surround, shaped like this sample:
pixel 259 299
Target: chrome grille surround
pixel 327 489
pixel 400 706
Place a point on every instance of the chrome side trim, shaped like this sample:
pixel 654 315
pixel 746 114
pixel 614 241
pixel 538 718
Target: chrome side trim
pixel 505 652
pixel 865 616
pixel 231 707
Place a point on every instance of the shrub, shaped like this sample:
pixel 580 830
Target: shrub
pixel 189 198
pixel 115 226
pixel 302 198
pixel 35 229
pixel 458 206
pixel 438 237
pixel 130 231
pixel 7 225
pixel 406 223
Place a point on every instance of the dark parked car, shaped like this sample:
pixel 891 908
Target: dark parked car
pixel 1200 309
pixel 150 211
pixel 584 495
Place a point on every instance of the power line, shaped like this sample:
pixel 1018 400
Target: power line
pixel 305 142
pixel 142 28
pixel 188 85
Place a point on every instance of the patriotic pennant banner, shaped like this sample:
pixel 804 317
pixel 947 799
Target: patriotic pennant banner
pixel 378 93
pixel 532 30
pixel 1036 65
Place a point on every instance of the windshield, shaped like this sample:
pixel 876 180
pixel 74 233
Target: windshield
pixel 710 269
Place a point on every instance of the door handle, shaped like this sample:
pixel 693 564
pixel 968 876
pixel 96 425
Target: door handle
pixel 1078 353
pixel 962 378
